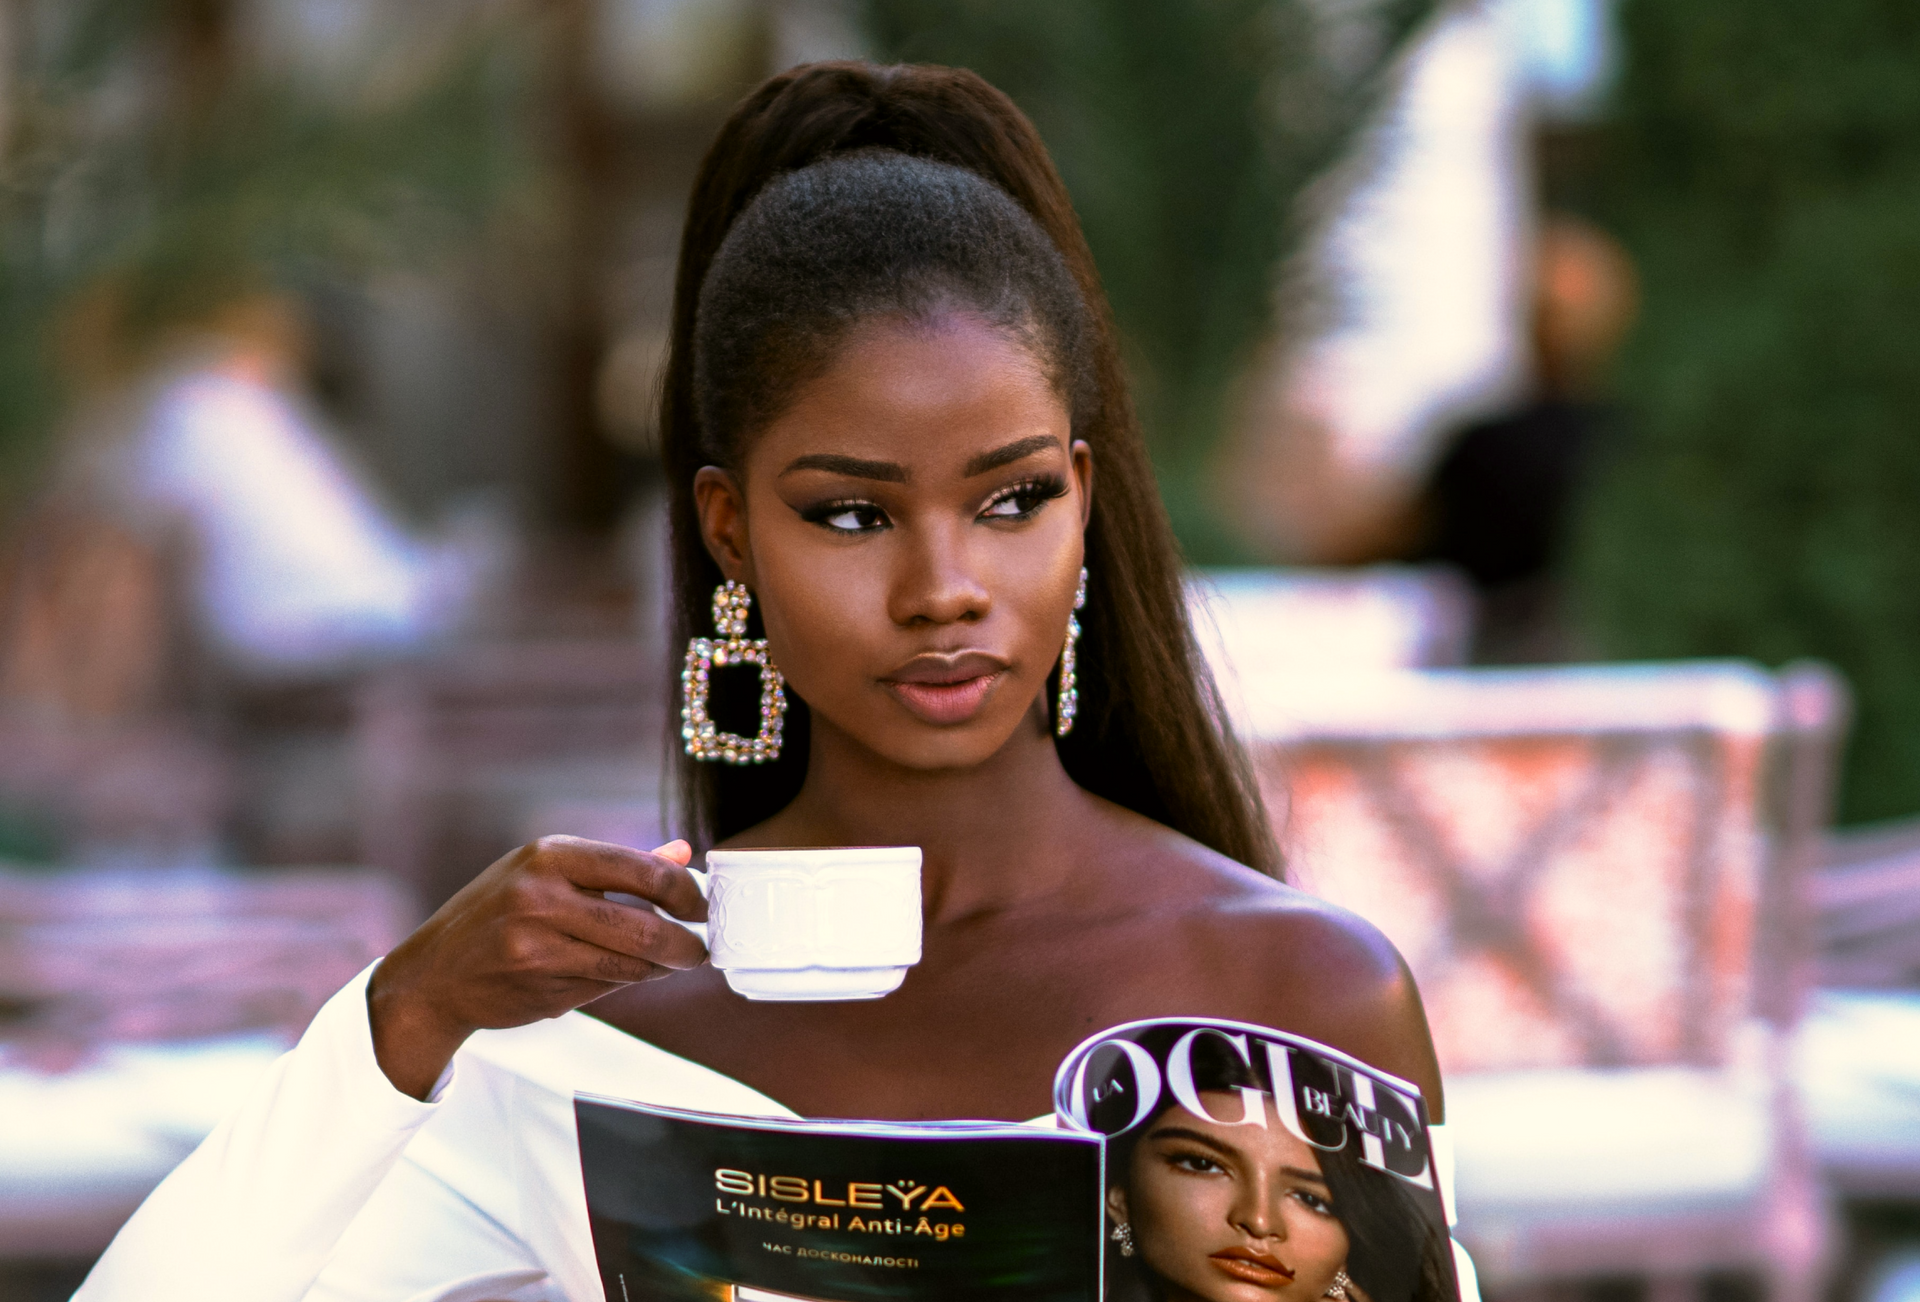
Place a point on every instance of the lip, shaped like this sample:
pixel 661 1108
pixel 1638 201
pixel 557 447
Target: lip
pixel 1252 1267
pixel 946 688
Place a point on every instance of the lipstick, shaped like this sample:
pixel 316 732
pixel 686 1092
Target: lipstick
pixel 1252 1267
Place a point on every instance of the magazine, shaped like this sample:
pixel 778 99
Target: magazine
pixel 1187 1158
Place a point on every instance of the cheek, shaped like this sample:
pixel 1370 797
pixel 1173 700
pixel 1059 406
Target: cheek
pixel 1322 1240
pixel 822 602
pixel 1175 1214
pixel 817 607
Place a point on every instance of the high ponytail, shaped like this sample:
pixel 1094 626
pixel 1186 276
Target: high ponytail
pixel 1151 734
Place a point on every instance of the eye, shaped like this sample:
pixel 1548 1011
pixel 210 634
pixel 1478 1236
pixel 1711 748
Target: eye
pixel 1023 500
pixel 1198 1163
pixel 847 517
pixel 1312 1201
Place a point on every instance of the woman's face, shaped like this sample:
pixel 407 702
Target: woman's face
pixel 1230 1213
pixel 911 529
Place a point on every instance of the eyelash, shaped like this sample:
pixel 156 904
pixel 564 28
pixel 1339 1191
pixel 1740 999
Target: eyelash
pixel 1037 492
pixel 826 511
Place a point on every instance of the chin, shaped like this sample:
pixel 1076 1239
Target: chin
pixel 1211 1289
pixel 935 750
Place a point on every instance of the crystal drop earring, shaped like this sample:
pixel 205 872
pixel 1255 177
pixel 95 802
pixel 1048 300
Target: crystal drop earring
pixel 1069 700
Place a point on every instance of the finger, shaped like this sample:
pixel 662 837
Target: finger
pixel 580 960
pixel 682 853
pixel 633 930
pixel 599 866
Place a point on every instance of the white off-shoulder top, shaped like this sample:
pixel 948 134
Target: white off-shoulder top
pixel 329 1184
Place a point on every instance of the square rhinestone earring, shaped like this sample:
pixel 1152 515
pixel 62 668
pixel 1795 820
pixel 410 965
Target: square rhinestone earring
pixel 731 602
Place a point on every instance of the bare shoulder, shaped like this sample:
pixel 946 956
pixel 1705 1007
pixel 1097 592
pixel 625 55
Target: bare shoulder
pixel 1258 950
pixel 1247 908
pixel 1270 935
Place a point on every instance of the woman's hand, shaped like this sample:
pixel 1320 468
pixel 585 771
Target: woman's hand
pixel 530 938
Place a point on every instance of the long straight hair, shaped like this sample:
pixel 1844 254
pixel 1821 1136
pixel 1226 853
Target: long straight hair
pixel 1151 734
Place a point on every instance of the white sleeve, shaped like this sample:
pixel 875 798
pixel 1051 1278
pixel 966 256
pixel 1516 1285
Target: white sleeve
pixel 254 1213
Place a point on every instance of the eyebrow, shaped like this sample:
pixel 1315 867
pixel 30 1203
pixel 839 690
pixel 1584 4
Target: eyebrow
pixel 1017 450
pixel 890 472
pixel 1194 1136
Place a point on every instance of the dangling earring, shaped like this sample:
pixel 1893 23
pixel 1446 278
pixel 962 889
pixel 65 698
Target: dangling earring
pixel 1338 1289
pixel 1069 704
pixel 1123 1235
pixel 731 602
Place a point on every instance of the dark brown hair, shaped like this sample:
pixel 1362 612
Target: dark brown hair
pixel 1151 734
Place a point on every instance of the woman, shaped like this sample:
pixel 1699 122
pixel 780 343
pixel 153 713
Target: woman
pixel 892 392
pixel 1212 1211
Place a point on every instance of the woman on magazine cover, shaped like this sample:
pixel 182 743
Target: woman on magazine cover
pixel 1210 1211
pixel 898 442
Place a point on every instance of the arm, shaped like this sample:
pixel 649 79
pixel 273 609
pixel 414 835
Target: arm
pixel 255 1212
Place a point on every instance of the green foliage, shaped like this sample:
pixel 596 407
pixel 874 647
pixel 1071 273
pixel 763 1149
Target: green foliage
pixel 1766 174
pixel 1186 132
pixel 178 198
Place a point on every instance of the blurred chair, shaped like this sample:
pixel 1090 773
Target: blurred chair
pixel 1866 898
pixel 1858 1060
pixel 135 1007
pixel 1594 874
pixel 463 755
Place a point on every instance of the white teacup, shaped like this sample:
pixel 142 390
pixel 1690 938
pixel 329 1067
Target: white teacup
pixel 839 923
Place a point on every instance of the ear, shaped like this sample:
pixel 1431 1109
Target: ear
pixel 1083 476
pixel 1117 1204
pixel 722 505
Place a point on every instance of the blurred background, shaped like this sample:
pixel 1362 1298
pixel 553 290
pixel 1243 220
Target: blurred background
pixel 1532 386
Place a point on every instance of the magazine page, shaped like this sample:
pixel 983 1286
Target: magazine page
pixel 1198 1160
pixel 690 1207
pixel 1246 1165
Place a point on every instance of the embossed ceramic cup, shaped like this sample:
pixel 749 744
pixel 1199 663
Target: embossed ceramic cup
pixel 814 924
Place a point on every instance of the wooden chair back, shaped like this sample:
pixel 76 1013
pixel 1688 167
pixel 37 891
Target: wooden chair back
pixel 1583 867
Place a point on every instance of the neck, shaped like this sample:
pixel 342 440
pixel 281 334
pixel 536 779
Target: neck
pixel 991 834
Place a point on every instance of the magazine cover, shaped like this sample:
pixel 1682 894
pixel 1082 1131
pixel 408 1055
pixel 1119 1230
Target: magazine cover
pixel 1188 1160
pixel 1247 1165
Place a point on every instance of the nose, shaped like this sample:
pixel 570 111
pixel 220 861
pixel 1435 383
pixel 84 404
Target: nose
pixel 936 582
pixel 1253 1213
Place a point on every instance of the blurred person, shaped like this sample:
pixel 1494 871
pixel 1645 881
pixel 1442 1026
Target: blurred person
pixel 1405 313
pixel 298 565
pixel 1499 501
pixel 1402 311
pixel 199 538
